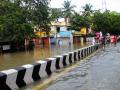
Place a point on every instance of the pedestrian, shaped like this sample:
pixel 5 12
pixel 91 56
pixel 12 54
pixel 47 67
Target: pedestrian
pixel 59 42
pixel 111 39
pixel 93 41
pixel 115 40
pixel 100 35
pixel 103 42
pixel 107 38
pixel 97 37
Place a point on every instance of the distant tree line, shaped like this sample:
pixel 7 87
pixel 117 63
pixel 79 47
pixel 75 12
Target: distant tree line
pixel 107 22
pixel 18 18
pixel 98 20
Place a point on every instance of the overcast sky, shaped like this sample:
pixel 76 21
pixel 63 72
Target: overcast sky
pixel 113 5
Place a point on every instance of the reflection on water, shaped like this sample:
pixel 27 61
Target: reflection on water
pixel 12 60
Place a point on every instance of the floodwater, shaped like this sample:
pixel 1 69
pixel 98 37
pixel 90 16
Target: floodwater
pixel 99 72
pixel 12 60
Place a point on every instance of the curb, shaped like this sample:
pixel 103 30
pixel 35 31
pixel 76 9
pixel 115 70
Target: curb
pixel 14 79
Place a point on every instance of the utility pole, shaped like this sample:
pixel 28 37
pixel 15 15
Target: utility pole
pixel 104 5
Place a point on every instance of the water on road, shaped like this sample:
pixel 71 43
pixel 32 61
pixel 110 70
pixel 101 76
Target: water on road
pixel 12 60
pixel 100 72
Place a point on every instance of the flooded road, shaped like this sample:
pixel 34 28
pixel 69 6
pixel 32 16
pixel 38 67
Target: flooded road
pixel 99 72
pixel 12 60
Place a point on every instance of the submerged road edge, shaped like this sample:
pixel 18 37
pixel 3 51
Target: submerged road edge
pixel 14 79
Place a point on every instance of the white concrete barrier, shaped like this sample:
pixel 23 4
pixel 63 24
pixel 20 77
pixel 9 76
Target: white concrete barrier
pixel 28 75
pixel 14 79
pixel 11 79
pixel 71 57
pixel 42 71
pixel 66 60
pixel 59 61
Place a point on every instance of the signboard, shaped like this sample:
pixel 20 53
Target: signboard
pixel 83 31
pixel 6 47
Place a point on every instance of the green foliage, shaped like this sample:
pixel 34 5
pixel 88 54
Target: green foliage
pixel 65 12
pixel 78 21
pixel 13 22
pixel 55 13
pixel 18 17
pixel 68 9
pixel 40 14
pixel 87 10
pixel 107 22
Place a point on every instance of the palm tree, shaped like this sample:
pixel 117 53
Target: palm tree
pixel 68 9
pixel 87 15
pixel 55 13
pixel 87 10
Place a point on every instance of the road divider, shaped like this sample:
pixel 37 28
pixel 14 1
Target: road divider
pixel 13 79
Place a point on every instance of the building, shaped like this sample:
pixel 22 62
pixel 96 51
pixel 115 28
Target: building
pixel 58 32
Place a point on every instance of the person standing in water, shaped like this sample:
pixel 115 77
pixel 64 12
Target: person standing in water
pixel 115 40
pixel 103 42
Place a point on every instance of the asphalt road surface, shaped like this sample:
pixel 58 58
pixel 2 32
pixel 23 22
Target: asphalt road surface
pixel 100 72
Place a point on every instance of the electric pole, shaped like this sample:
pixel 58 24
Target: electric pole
pixel 104 5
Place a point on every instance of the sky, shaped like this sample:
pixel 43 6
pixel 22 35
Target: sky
pixel 112 5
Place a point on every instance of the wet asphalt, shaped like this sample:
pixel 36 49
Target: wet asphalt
pixel 99 72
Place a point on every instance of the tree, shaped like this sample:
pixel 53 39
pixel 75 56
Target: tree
pixel 107 22
pixel 87 14
pixel 77 22
pixel 40 15
pixel 87 10
pixel 14 25
pixel 68 9
pixel 55 13
pixel 18 17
